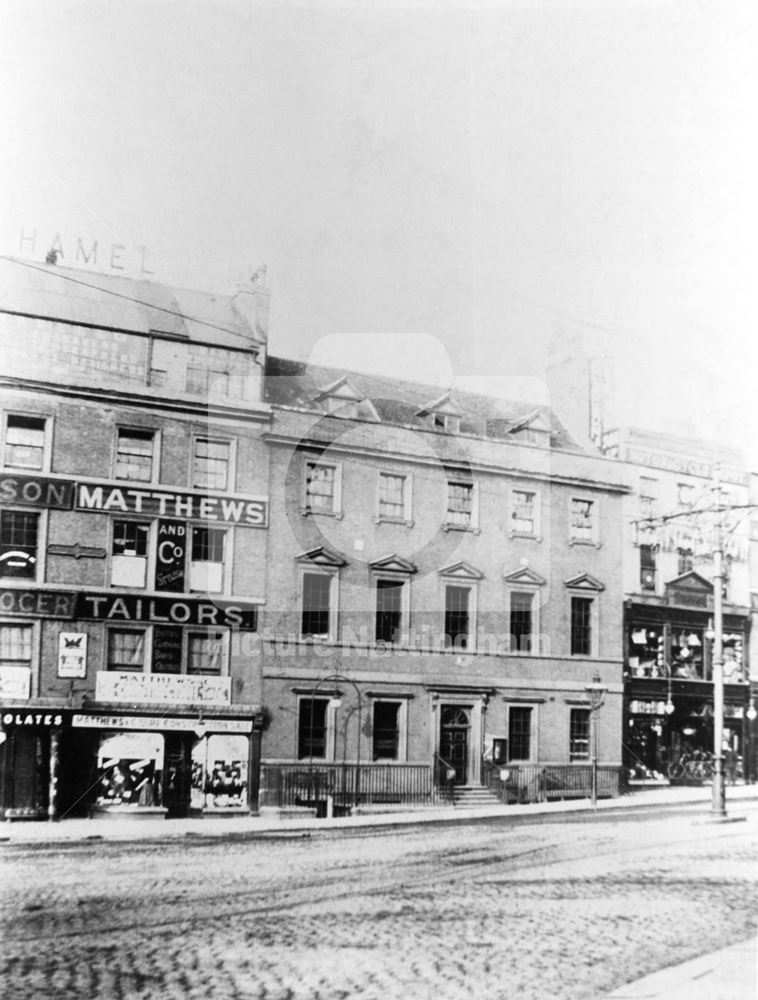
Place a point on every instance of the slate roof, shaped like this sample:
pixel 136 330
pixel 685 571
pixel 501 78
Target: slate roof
pixel 297 384
pixel 76 295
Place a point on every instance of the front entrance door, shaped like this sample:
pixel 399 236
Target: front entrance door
pixel 454 730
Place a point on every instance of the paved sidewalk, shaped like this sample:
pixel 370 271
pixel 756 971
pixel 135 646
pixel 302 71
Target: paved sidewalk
pixel 127 829
pixel 729 974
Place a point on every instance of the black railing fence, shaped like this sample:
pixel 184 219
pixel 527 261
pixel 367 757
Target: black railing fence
pixel 523 783
pixel 347 785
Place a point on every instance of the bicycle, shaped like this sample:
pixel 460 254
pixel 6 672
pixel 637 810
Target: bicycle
pixel 697 766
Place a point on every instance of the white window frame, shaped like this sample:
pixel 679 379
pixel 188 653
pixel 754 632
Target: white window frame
pixel 534 593
pixel 19 627
pixel 536 531
pixel 594 535
pixel 473 524
pixel 231 470
pixel 533 706
pixel 147 650
pixel 47 441
pixel 333 576
pixel 41 553
pixel 336 508
pixel 192 630
pixel 407 515
pixel 688 489
pixel 226 563
pixel 466 584
pixel 593 597
pixel 149 556
pixel 155 457
pixel 402 727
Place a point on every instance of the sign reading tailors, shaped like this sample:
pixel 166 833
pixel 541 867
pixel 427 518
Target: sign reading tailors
pixel 164 610
pixel 250 513
pixel 177 689
pixel 72 654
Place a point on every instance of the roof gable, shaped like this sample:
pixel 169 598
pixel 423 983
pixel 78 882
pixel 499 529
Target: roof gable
pixel 442 405
pixel 585 581
pixel 461 571
pixel 524 575
pixel 322 557
pixel 691 581
pixel 395 564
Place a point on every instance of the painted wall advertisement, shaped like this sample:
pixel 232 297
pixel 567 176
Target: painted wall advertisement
pixel 179 689
pixel 72 654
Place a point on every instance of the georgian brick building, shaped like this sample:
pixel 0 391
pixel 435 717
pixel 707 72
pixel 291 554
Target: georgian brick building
pixel 133 516
pixel 443 586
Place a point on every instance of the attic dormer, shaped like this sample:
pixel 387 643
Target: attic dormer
pixel 442 415
pixel 534 429
pixel 341 399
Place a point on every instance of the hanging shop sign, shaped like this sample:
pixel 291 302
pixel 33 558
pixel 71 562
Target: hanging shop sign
pixel 72 654
pixel 171 556
pixel 160 723
pixel 177 689
pixel 647 707
pixel 16 682
pixel 37 491
pixel 164 610
pixel 37 603
pixel 250 513
pixel 32 719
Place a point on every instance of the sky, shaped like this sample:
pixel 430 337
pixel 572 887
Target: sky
pixel 437 190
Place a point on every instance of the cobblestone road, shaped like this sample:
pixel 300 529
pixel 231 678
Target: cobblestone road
pixel 566 909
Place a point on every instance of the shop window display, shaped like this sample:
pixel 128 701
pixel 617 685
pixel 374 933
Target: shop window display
pixel 219 772
pixel 130 770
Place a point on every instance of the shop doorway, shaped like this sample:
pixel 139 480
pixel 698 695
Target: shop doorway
pixel 455 725
pixel 177 776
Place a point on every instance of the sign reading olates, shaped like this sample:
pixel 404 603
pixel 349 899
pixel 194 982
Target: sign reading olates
pixel 249 513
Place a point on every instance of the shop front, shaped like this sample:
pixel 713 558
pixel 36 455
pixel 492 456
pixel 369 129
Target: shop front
pixel 29 748
pixel 168 764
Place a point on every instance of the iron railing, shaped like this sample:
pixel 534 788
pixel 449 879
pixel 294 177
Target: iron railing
pixel 303 784
pixel 523 783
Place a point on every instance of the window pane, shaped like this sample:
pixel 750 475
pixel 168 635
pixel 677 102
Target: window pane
pixel 18 544
pixel 129 554
pixel 386 733
pixel 311 729
pixel 208 544
pixel 581 519
pixel 24 441
pixel 523 511
pixel 134 459
pixel 579 734
pixel 519 733
pixel 391 495
pixel 316 604
pixel 126 650
pixel 581 626
pixel 457 617
pixel 319 486
pixel 15 643
pixel 647 567
pixel 521 622
pixel 205 653
pixel 459 503
pixel 389 604
pixel 211 464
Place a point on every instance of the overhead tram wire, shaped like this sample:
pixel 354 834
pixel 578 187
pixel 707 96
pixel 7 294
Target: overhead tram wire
pixel 122 295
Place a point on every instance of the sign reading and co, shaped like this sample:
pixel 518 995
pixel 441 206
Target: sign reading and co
pixel 171 556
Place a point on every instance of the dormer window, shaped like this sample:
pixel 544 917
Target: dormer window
pixel 342 399
pixel 535 430
pixel 442 415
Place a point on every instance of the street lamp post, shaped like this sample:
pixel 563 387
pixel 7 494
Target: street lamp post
pixel 341 678
pixel 596 695
pixel 718 802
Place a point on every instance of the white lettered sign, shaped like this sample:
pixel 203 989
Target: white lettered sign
pixel 177 689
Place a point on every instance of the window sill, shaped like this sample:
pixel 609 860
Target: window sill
pixel 533 536
pixel 385 519
pixel 310 512
pixel 584 541
pixel 462 527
